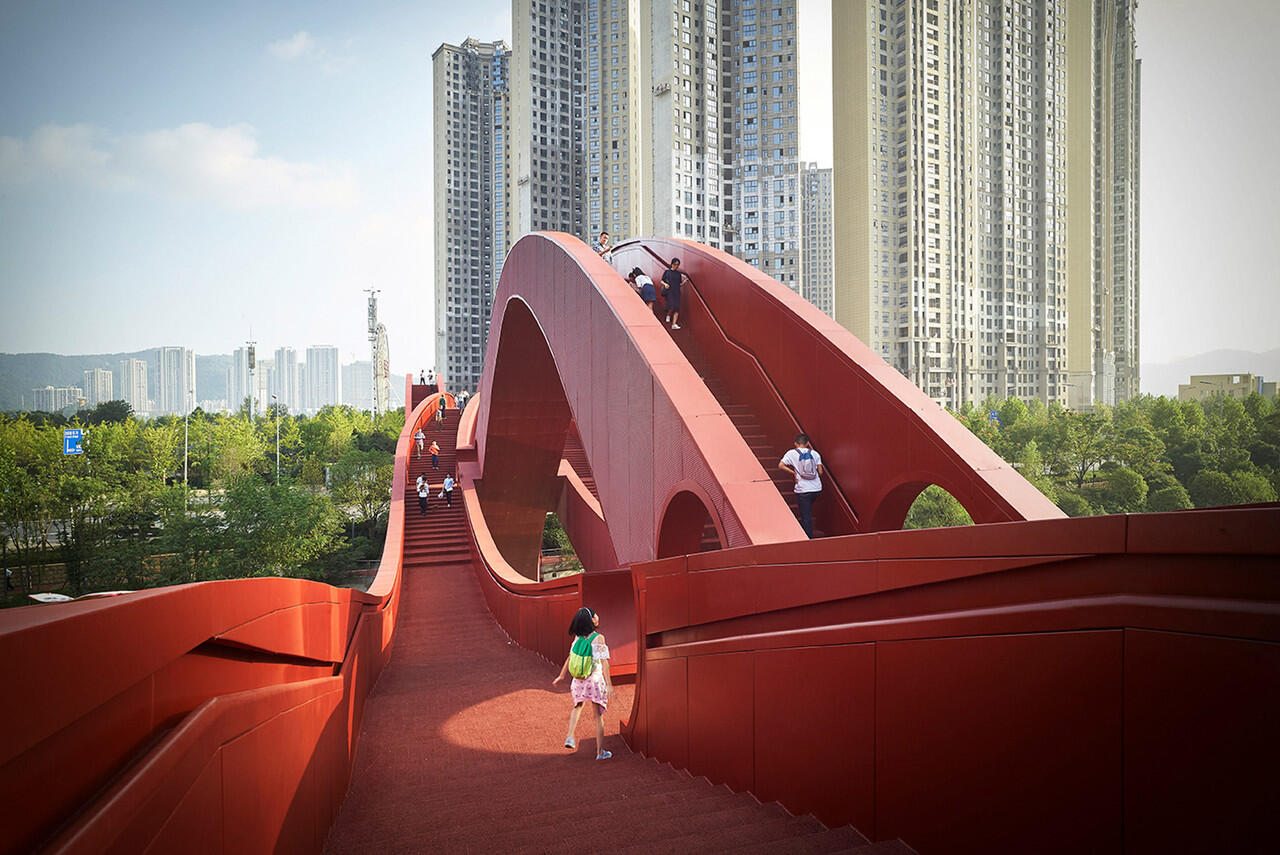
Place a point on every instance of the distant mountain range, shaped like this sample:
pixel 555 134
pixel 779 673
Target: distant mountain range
pixel 1163 378
pixel 22 372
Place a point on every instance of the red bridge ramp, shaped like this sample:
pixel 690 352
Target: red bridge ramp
pixel 462 751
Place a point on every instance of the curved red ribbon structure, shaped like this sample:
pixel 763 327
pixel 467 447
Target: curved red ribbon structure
pixel 1030 683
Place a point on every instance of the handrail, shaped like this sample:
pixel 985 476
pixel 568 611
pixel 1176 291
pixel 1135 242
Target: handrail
pixel 387 577
pixel 1140 636
pixel 772 388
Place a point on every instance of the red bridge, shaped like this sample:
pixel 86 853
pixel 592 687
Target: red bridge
pixel 1028 684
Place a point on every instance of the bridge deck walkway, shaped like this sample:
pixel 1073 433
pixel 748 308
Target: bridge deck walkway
pixel 461 748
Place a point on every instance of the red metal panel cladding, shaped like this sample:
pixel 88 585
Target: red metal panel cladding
pixel 1043 686
pixel 570 340
pixel 882 438
pixel 1194 706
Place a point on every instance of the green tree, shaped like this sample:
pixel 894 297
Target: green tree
pixel 1253 487
pixel 361 481
pixel 1171 498
pixel 118 412
pixel 276 530
pixel 1031 465
pixel 936 508
pixel 1074 504
pixel 1125 491
pixel 1212 489
pixel 27 498
pixel 1085 441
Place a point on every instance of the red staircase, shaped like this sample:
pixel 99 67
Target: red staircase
pixel 577 457
pixel 461 748
pixel 767 449
pixel 441 536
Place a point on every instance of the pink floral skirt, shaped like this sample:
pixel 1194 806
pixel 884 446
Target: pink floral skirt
pixel 591 689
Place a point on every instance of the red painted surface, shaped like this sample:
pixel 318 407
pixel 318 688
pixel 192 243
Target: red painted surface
pixel 1053 686
pixel 1046 685
pixel 220 716
pixel 569 340
pixel 882 439
pixel 583 521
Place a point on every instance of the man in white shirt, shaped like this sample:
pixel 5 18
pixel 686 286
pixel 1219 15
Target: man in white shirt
pixel 424 490
pixel 603 247
pixel 805 465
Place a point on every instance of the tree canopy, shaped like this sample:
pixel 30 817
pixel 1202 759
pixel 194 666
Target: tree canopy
pixel 122 516
pixel 1147 454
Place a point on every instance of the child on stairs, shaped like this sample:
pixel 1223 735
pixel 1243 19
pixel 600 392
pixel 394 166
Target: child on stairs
pixel 597 686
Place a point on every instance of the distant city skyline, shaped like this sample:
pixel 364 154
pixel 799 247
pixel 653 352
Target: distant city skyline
pixel 154 380
pixel 192 206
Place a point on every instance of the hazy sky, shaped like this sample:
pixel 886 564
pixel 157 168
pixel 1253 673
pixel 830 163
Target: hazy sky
pixel 188 173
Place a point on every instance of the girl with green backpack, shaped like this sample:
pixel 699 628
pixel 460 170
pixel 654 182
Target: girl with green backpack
pixel 588 664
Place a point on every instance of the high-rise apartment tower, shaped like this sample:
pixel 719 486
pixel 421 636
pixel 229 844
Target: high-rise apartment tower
pixel 98 386
pixel 175 380
pixel 548 120
pixel 616 117
pixel 816 211
pixel 131 385
pixel 967 191
pixel 472 199
pixel 286 379
pixel 324 377
pixel 760 135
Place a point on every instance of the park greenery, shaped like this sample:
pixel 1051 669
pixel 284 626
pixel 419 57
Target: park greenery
pixel 121 517
pixel 1148 454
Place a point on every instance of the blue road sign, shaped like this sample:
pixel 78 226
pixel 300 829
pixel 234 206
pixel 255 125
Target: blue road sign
pixel 71 441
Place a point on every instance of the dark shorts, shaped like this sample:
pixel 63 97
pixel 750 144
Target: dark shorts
pixel 673 300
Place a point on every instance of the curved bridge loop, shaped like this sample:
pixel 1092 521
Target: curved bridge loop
pixel 1051 666
pixel 570 341
pixel 882 438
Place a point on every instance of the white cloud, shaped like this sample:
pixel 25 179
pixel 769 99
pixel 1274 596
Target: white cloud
pixel 302 45
pixel 295 47
pixel 193 161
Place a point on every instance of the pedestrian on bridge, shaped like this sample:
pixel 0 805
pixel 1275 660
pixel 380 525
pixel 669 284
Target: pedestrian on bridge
pixel 448 491
pixel 672 281
pixel 588 656
pixel 435 454
pixel 644 287
pixel 805 465
pixel 440 414
pixel 603 247
pixel 420 437
pixel 424 492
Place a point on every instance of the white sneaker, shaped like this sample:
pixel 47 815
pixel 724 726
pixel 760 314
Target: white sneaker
pixel 675 326
pixel 668 319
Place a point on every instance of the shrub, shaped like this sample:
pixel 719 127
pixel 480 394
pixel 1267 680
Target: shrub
pixel 1074 504
pixel 1172 498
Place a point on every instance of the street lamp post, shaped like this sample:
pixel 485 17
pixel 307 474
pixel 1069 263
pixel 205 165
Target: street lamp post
pixel 277 409
pixel 186 435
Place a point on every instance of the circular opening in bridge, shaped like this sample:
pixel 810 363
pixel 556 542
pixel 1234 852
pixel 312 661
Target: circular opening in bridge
pixel 936 508
pixel 687 527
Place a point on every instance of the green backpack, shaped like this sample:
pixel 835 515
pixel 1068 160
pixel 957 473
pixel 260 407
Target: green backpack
pixel 581 660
